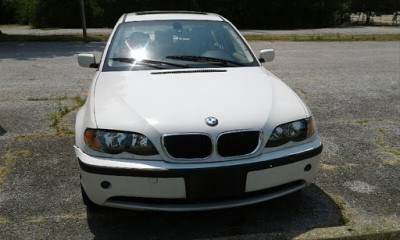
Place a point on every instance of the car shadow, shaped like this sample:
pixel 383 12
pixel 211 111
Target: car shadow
pixel 288 217
pixel 33 50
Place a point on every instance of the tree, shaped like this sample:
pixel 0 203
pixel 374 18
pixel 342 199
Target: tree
pixel 7 11
pixel 372 6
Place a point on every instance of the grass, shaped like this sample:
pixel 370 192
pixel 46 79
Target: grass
pixel 364 121
pixel 3 172
pixel 79 101
pixel 53 38
pixel 10 158
pixel 383 148
pixel 57 116
pixel 33 137
pixel 3 220
pixel 47 99
pixel 395 155
pixel 289 38
pixel 342 206
pixel 305 94
pixel 62 111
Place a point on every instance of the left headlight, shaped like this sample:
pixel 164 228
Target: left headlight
pixel 114 142
pixel 294 131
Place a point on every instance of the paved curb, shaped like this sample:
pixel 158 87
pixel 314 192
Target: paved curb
pixel 355 31
pixel 353 233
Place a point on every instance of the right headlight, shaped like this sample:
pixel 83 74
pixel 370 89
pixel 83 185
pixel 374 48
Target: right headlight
pixel 114 142
pixel 294 131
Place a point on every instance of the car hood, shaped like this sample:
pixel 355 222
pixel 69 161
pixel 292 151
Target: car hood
pixel 160 102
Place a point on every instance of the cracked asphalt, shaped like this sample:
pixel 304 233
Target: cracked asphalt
pixel 353 90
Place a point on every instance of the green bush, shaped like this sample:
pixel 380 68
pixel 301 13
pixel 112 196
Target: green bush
pixel 277 13
pixel 26 10
pixel 66 14
pixel 261 14
pixel 7 12
pixel 113 9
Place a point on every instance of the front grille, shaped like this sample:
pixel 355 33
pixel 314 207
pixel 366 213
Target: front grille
pixel 188 145
pixel 238 143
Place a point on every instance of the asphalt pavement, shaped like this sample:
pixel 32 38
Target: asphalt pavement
pixel 352 88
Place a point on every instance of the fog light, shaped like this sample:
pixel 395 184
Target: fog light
pixel 307 168
pixel 105 184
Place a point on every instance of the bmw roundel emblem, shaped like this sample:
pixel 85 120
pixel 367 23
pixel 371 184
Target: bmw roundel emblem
pixel 211 121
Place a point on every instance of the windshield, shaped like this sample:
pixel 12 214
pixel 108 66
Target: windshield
pixel 176 44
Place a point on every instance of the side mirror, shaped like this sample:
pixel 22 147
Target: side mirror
pixel 267 55
pixel 87 60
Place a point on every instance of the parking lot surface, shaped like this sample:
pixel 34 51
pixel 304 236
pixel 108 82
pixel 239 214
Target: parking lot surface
pixel 353 90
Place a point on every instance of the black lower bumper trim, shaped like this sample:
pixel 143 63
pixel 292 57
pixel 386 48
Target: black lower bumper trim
pixel 170 173
pixel 211 199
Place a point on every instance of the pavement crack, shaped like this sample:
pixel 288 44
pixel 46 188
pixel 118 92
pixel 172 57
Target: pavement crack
pixel 57 218
pixel 10 161
pixel 63 110
pixel 357 122
pixel 36 66
pixel 385 149
pixel 47 99
pixel 3 220
pixel 303 92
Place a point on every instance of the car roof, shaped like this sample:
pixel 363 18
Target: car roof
pixel 171 15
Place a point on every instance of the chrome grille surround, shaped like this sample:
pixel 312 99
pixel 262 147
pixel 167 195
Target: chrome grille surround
pixel 165 147
pixel 214 146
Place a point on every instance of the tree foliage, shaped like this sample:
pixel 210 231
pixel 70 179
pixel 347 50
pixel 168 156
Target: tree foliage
pixel 7 11
pixel 370 7
pixel 244 14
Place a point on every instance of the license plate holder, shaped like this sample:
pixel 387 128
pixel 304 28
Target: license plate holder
pixel 215 185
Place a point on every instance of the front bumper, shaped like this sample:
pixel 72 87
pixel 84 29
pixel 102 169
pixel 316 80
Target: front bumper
pixel 161 186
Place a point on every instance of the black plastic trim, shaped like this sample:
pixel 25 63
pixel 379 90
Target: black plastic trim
pixel 170 12
pixel 191 71
pixel 94 65
pixel 170 173
pixel 183 201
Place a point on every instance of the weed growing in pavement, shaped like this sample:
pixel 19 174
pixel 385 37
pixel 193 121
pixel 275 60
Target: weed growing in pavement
pixel 47 99
pixel 385 149
pixel 79 101
pixel 63 110
pixel 345 220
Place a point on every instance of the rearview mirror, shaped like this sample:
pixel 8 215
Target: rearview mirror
pixel 87 60
pixel 267 55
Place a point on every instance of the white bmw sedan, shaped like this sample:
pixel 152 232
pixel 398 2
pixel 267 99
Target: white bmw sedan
pixel 181 116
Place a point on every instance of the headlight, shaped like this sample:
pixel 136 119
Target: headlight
pixel 114 142
pixel 294 131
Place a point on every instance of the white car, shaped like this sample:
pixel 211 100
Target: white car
pixel 181 116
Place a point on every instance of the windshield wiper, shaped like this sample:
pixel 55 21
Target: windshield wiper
pixel 148 62
pixel 206 59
